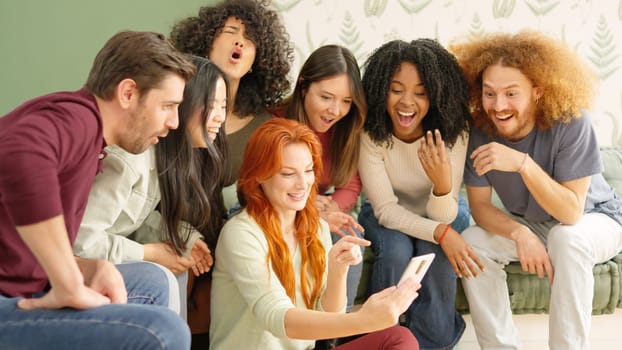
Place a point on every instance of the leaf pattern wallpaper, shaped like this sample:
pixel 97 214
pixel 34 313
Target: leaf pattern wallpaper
pixel 592 28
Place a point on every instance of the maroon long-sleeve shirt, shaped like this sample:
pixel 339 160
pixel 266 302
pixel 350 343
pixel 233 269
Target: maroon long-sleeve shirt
pixel 50 151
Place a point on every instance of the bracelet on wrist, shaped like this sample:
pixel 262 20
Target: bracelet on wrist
pixel 440 238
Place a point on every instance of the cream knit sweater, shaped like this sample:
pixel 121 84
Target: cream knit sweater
pixel 401 193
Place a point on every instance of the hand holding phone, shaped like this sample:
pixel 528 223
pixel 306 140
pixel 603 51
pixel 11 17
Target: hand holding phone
pixel 417 267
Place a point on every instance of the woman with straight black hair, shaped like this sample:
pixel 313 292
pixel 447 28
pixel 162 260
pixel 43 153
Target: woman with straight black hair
pixel 165 205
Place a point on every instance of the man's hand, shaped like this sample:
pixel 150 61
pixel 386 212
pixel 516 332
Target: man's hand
pixel 202 257
pixel 532 253
pixel 79 298
pixel 75 283
pixel 163 254
pixel 103 284
pixel 103 277
pixel 495 156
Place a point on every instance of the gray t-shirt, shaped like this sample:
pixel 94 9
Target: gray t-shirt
pixel 566 152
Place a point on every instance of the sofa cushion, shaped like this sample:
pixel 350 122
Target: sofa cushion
pixel 530 294
pixel 612 162
pixel 618 261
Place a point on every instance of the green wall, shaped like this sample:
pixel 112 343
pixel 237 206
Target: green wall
pixel 49 45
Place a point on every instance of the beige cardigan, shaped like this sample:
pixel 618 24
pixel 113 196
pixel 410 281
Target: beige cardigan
pixel 120 215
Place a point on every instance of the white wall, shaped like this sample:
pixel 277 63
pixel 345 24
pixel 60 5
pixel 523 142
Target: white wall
pixel 592 28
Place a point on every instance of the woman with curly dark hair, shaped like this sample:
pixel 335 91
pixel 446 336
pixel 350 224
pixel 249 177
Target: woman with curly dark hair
pixel 413 150
pixel 248 41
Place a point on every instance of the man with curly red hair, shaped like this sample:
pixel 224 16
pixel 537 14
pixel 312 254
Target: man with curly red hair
pixel 533 143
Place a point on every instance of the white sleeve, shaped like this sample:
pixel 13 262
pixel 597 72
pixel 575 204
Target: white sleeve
pixel 241 254
pixel 111 196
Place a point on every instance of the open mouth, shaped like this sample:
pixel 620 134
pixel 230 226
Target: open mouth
pixel 405 118
pixel 236 55
pixel 326 120
pixel 503 116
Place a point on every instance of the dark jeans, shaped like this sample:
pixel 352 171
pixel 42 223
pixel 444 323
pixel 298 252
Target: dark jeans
pixel 432 317
pixel 145 322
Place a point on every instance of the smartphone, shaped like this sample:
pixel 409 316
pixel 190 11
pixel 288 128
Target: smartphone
pixel 417 267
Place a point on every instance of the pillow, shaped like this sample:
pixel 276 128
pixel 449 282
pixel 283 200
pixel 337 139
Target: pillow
pixel 612 162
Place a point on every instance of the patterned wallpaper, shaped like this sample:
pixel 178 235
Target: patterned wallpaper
pixel 592 28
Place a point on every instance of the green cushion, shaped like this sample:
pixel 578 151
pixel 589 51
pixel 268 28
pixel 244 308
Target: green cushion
pixel 618 261
pixel 530 294
pixel 612 162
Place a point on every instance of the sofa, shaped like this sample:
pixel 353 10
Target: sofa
pixel 530 294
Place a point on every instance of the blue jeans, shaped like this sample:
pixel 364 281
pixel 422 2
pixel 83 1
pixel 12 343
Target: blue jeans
pixel 144 323
pixel 432 317
pixel 354 274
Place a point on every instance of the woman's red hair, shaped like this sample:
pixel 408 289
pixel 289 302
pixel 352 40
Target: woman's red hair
pixel 262 160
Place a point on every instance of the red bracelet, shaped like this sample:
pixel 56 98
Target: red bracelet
pixel 440 239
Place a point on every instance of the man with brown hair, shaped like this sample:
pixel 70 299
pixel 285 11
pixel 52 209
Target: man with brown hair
pixel 51 148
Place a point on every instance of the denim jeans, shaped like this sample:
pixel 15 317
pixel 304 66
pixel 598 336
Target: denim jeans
pixel 145 322
pixel 182 283
pixel 354 274
pixel 432 317
pixel 175 296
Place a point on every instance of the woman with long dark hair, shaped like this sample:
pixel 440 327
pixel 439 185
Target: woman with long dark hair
pixel 329 99
pixel 165 205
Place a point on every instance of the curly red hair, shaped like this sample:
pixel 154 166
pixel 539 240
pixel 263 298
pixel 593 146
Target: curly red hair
pixel 262 160
pixel 567 83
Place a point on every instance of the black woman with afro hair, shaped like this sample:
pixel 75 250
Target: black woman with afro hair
pixel 246 39
pixel 413 150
